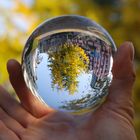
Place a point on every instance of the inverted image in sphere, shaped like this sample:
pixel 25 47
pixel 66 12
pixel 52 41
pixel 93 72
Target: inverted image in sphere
pixel 67 63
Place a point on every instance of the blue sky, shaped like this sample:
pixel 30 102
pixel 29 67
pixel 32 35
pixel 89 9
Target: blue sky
pixel 52 97
pixel 11 3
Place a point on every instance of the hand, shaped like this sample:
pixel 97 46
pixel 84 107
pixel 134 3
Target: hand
pixel 31 120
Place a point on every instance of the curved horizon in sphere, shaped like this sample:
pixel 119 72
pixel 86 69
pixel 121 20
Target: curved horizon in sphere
pixel 67 63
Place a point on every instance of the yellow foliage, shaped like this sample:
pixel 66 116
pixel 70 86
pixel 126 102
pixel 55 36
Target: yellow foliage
pixel 66 64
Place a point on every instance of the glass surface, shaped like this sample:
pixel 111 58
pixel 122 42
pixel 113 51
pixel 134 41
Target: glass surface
pixel 67 63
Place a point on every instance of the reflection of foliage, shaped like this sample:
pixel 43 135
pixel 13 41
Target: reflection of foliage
pixel 77 104
pixel 66 63
pixel 87 102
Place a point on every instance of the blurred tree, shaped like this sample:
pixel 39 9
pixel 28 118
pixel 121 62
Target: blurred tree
pixel 106 2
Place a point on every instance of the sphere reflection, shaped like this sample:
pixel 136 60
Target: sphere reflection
pixel 67 63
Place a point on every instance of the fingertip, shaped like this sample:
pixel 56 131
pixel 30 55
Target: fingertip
pixel 12 66
pixel 123 66
pixel 127 48
pixel 12 62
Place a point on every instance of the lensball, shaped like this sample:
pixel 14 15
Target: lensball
pixel 67 63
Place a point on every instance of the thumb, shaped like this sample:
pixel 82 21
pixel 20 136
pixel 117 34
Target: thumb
pixel 27 99
pixel 120 92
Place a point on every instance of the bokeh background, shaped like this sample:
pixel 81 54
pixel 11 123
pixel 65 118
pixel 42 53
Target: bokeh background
pixel 18 18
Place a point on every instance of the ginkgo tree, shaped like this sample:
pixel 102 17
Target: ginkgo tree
pixel 66 63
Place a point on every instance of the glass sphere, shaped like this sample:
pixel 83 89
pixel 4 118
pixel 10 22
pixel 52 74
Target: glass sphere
pixel 67 63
